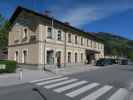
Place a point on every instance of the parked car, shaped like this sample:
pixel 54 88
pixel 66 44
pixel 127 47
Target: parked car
pixel 124 62
pixel 104 62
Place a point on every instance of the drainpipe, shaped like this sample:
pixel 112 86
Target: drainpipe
pixel 65 51
pixel 44 68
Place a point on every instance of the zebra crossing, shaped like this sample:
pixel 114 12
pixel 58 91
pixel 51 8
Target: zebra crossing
pixel 78 87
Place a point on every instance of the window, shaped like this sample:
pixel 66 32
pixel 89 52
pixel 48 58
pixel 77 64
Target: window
pixel 76 57
pixel 69 38
pixel 49 31
pixel 25 33
pixel 16 56
pixel 50 58
pixel 91 44
pixel 81 57
pixel 59 35
pixel 25 53
pixel 95 44
pixel 87 42
pixel 76 40
pixel 102 46
pixel 69 57
pixel 81 41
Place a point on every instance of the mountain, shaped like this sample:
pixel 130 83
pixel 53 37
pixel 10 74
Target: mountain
pixel 116 45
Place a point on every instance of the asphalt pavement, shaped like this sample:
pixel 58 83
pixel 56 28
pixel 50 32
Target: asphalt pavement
pixel 107 83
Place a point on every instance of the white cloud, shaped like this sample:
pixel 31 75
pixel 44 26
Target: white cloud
pixel 84 13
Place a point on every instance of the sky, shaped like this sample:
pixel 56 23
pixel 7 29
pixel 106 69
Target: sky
pixel 113 16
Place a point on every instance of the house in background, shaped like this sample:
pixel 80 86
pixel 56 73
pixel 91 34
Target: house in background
pixel 36 39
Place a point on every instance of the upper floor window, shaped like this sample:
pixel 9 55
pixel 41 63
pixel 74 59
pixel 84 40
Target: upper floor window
pixel 102 46
pixel 87 42
pixel 25 33
pixel 69 38
pixel 59 35
pixel 76 40
pixel 49 32
pixel 91 44
pixel 81 41
pixel 95 44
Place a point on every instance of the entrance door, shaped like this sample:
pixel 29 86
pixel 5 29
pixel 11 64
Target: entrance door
pixel 90 57
pixel 50 58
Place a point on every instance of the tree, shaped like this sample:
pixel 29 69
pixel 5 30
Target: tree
pixel 4 26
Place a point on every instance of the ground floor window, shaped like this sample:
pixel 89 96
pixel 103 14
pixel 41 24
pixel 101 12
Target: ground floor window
pixel 16 56
pixel 50 57
pixel 69 57
pixel 76 57
pixel 58 55
pixel 81 57
pixel 25 53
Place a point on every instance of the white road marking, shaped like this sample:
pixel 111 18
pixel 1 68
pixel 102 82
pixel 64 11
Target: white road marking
pixel 52 81
pixel 119 94
pixel 61 89
pixel 45 79
pixel 82 90
pixel 98 93
pixel 61 83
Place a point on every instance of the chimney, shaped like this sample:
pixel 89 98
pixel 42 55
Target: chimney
pixel 46 13
pixel 67 23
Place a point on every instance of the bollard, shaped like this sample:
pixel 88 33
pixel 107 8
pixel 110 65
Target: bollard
pixel 20 74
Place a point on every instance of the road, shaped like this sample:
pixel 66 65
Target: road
pixel 107 83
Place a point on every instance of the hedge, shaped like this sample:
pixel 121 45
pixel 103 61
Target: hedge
pixel 7 66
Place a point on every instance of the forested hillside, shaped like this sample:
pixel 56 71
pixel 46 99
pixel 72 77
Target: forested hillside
pixel 116 45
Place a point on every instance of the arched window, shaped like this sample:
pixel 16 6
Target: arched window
pixel 16 56
pixel 25 33
pixel 81 57
pixel 76 57
pixel 69 57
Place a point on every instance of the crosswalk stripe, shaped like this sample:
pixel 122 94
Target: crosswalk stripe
pixel 61 89
pixel 98 93
pixel 82 90
pixel 52 81
pixel 61 83
pixel 119 94
pixel 44 79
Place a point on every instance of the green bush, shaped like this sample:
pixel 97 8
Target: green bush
pixel 9 66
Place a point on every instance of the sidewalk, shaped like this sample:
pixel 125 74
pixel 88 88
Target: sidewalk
pixel 30 75
pixel 71 69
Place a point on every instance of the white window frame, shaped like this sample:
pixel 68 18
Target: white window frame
pixel 49 35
